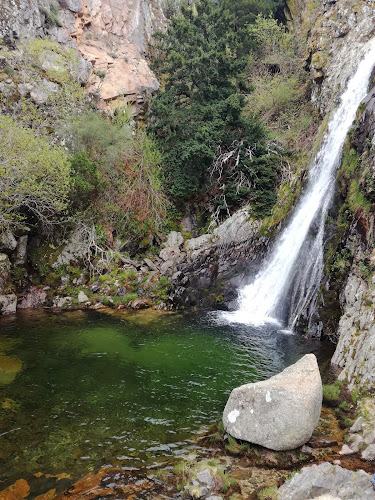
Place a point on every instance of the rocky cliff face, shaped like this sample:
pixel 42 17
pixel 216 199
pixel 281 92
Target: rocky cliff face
pixel 208 270
pixel 335 32
pixel 112 35
pixel 337 37
pixel 355 352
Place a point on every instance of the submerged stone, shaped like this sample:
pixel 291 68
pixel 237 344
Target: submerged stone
pixel 9 404
pixel 280 413
pixel 9 367
pixel 20 489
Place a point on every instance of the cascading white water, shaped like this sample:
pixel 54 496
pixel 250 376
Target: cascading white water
pixel 259 300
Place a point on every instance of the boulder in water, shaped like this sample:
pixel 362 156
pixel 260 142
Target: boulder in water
pixel 280 413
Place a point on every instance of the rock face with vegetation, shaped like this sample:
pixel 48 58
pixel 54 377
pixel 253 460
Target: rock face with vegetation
pixel 348 293
pixel 112 37
pixel 335 32
pixel 280 413
pixel 361 437
pixel 327 481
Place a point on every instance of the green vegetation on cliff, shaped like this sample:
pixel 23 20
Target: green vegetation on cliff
pixel 212 151
pixel 210 144
pixel 107 174
pixel 34 176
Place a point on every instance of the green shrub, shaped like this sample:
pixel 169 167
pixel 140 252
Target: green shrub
pixel 107 301
pixel 331 393
pixel 269 493
pixel 9 70
pixel 355 396
pixel 130 201
pixel 129 297
pixel 347 422
pixel 233 446
pixel 100 73
pixel 99 138
pixel 84 180
pixel 365 269
pixel 344 406
pixel 34 176
pixel 210 150
pixel 51 16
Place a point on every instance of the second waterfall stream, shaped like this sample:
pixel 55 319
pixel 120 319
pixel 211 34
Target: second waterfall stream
pixel 264 300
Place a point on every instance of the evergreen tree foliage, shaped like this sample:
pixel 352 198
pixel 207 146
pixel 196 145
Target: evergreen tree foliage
pixel 197 116
pixel 246 11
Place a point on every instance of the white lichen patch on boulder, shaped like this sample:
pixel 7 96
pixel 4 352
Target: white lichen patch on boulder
pixel 280 413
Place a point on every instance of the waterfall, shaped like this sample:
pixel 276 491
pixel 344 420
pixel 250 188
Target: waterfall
pixel 264 300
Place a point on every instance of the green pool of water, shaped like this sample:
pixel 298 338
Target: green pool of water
pixel 83 390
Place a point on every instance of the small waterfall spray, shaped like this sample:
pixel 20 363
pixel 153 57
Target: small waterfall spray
pixel 263 300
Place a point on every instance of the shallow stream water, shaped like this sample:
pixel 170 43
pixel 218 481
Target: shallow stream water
pixel 82 390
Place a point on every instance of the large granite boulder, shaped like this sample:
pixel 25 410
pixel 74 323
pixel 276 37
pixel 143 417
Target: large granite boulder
pixel 330 480
pixel 280 413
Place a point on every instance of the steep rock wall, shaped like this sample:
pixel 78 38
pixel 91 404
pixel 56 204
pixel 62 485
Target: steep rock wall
pixel 334 32
pixel 212 267
pixel 113 35
pixel 355 352
pixel 336 38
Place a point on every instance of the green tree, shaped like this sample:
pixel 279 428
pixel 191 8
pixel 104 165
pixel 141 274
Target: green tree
pixel 246 11
pixel 34 177
pixel 104 141
pixel 197 116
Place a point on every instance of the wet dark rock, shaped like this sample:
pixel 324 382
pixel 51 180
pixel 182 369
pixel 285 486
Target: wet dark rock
pixel 139 304
pixel 112 482
pixel 321 442
pixel 365 128
pixel 34 298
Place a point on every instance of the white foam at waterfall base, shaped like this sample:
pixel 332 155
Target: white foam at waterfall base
pixel 258 301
